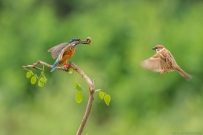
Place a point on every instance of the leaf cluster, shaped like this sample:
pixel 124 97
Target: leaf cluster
pixel 34 78
pixel 104 96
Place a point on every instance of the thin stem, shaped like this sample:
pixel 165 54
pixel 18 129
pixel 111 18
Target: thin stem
pixel 87 112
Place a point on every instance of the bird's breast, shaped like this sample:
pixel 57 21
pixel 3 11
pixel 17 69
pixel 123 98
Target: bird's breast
pixel 67 55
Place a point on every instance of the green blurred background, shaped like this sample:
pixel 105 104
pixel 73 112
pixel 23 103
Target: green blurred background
pixel 123 33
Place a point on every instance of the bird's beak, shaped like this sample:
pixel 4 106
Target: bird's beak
pixel 153 48
pixel 87 41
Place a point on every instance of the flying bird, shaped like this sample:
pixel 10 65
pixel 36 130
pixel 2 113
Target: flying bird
pixel 163 61
pixel 65 51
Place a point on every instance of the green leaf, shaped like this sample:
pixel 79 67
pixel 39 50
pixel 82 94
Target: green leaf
pixel 78 87
pixel 33 79
pixel 28 74
pixel 43 79
pixel 107 99
pixel 101 95
pixel 40 84
pixel 78 97
pixel 70 70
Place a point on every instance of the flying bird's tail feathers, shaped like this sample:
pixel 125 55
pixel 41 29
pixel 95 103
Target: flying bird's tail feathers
pixel 184 74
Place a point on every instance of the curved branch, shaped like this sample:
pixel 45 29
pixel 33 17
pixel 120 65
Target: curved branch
pixel 87 79
pixel 91 97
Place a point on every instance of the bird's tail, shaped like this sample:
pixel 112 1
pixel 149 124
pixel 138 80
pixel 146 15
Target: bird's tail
pixel 55 65
pixel 184 74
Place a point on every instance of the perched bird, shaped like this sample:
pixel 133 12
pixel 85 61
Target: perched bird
pixel 163 61
pixel 65 51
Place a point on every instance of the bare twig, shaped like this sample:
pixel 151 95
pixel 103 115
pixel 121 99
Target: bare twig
pixel 43 63
pixel 87 79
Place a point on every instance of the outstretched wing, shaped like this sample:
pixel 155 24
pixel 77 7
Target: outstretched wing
pixel 156 63
pixel 56 50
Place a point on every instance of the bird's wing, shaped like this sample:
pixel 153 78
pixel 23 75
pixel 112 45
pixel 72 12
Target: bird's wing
pixel 56 50
pixel 65 52
pixel 156 63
